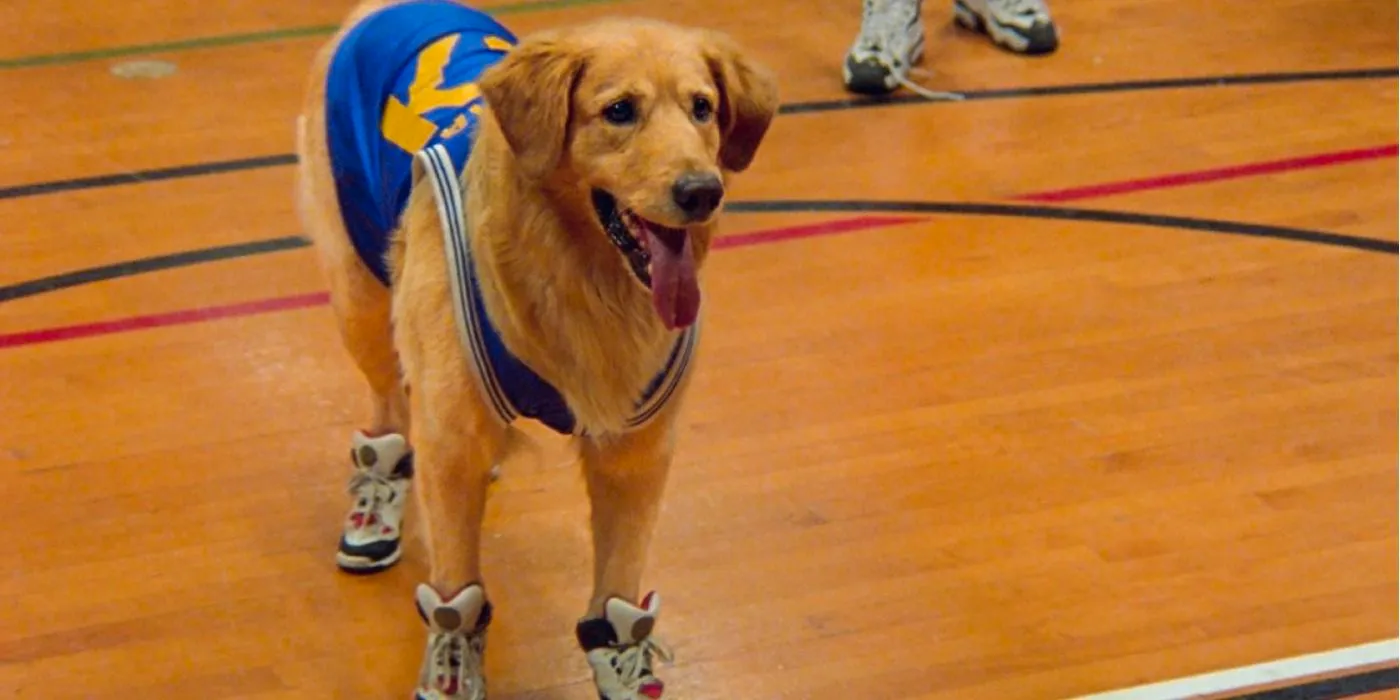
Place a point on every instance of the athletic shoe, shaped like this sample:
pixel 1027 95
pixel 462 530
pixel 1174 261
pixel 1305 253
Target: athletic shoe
pixel 890 42
pixel 383 471
pixel 620 648
pixel 453 661
pixel 1023 26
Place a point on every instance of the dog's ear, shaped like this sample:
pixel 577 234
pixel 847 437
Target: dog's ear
pixel 748 99
pixel 531 92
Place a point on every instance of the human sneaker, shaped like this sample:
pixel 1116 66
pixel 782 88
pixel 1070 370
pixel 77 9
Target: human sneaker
pixel 1023 26
pixel 453 661
pixel 383 471
pixel 620 648
pixel 890 42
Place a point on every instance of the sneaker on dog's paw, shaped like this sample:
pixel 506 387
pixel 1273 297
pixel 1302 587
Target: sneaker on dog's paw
pixel 454 659
pixel 383 472
pixel 620 648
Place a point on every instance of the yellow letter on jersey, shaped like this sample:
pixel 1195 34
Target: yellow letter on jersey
pixel 404 124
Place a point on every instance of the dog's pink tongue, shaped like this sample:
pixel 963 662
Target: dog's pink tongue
pixel 674 290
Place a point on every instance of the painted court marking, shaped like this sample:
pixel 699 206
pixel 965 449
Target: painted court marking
pixel 870 210
pixel 1203 81
pixel 172 318
pixel 1197 177
pixel 303 301
pixel 210 42
pixel 1245 677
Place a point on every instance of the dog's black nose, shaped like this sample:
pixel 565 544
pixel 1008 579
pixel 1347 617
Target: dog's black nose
pixel 697 194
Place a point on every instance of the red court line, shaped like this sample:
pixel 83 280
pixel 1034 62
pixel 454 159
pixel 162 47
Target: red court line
pixel 173 318
pixel 1201 176
pixel 821 228
pixel 301 301
pixel 825 228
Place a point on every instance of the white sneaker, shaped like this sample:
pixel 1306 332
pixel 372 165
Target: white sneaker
pixel 620 648
pixel 454 659
pixel 890 42
pixel 1023 26
pixel 380 483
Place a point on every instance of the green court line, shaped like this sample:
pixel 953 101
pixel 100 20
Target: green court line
pixel 252 37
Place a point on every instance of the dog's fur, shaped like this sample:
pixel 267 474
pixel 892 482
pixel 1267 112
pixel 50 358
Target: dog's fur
pixel 560 294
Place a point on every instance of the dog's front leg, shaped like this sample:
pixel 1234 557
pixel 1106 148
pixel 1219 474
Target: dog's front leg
pixel 455 449
pixel 626 477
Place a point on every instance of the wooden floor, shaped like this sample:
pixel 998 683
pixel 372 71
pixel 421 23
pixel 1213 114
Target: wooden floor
pixel 1131 417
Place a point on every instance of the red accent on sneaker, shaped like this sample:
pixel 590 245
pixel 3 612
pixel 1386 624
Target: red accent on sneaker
pixel 386 530
pixel 652 690
pixel 373 519
pixel 358 519
pixel 646 600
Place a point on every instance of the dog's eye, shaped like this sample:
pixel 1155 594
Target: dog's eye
pixel 621 112
pixel 703 109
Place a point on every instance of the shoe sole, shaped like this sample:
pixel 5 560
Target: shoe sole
pixel 1009 39
pixel 880 87
pixel 362 566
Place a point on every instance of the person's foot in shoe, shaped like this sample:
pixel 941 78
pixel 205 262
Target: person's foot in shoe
pixel 890 42
pixel 1022 26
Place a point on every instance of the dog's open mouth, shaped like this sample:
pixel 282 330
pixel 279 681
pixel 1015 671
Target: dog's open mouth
pixel 661 258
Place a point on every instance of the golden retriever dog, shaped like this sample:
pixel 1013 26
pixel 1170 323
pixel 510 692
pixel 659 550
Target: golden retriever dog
pixel 514 229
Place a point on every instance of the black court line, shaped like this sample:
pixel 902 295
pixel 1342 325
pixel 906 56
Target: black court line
pixel 271 245
pixel 1094 88
pixel 1374 245
pixel 139 176
pixel 1332 688
pixel 144 265
pixel 226 166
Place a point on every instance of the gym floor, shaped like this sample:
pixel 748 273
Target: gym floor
pixel 1085 382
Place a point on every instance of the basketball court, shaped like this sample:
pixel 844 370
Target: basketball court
pixel 1082 383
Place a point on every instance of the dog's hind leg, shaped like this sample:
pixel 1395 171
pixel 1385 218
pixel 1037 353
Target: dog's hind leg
pixel 361 306
pixel 626 477
pixel 381 456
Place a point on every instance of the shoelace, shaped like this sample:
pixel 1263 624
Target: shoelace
pixel 634 661
pixel 925 92
pixel 448 650
pixel 380 490
pixel 885 20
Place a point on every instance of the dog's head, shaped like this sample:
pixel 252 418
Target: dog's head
pixel 644 119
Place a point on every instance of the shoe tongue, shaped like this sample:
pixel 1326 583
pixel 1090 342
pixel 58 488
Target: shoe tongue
pixel 631 623
pixel 675 291
pixel 461 612
pixel 379 454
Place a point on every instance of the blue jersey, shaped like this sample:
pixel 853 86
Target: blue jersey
pixel 404 78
